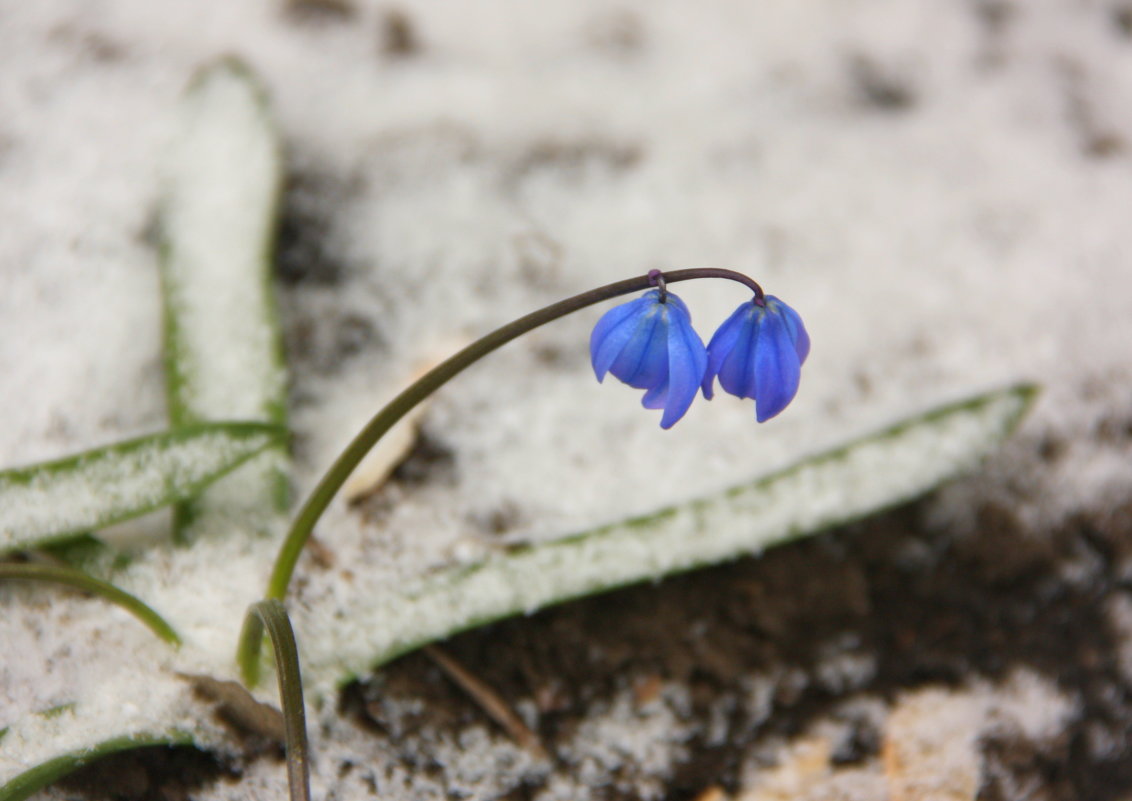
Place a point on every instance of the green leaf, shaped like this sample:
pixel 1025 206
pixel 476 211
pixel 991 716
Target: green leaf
pixel 44 774
pixel 838 486
pixel 55 500
pixel 219 210
pixel 80 580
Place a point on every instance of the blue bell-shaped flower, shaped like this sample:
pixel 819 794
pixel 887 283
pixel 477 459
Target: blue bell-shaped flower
pixel 649 344
pixel 758 353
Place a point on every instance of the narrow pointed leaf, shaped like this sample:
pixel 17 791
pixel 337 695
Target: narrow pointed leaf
pixel 223 347
pixel 838 486
pixel 80 580
pixel 54 500
pixel 40 776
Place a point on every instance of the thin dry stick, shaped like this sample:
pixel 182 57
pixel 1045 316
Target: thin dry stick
pixel 488 700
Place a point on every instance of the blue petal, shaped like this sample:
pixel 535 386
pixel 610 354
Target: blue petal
pixel 758 353
pixel 613 332
pixel 736 372
pixel 687 361
pixel 678 303
pixel 652 346
pixel 642 363
pixel 656 397
pixel 722 343
pixel 729 350
pixel 794 325
pixel 777 368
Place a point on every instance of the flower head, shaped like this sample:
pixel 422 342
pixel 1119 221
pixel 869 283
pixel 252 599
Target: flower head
pixel 758 353
pixel 649 344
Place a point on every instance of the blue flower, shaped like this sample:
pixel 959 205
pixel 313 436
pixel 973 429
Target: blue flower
pixel 758 353
pixel 649 344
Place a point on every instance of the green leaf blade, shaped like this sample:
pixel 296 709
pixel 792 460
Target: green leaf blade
pixel 80 580
pixel 42 775
pixel 220 203
pixel 54 500
pixel 838 486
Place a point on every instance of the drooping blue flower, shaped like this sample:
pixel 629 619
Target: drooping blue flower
pixel 758 353
pixel 649 344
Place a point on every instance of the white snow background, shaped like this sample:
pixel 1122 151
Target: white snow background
pixel 943 191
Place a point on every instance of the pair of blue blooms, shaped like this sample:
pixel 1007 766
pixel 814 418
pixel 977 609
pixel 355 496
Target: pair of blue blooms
pixel 649 343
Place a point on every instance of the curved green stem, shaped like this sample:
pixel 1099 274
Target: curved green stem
pixel 434 379
pixel 336 476
pixel 273 615
pixel 80 580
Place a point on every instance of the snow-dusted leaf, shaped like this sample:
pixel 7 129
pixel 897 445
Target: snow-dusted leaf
pixel 846 483
pixel 53 500
pixel 219 217
pixel 872 473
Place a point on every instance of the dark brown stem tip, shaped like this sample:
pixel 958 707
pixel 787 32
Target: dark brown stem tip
pixel 673 276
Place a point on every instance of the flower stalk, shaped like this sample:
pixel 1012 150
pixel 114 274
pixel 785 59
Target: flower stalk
pixel 332 481
pixel 272 615
pixel 385 419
